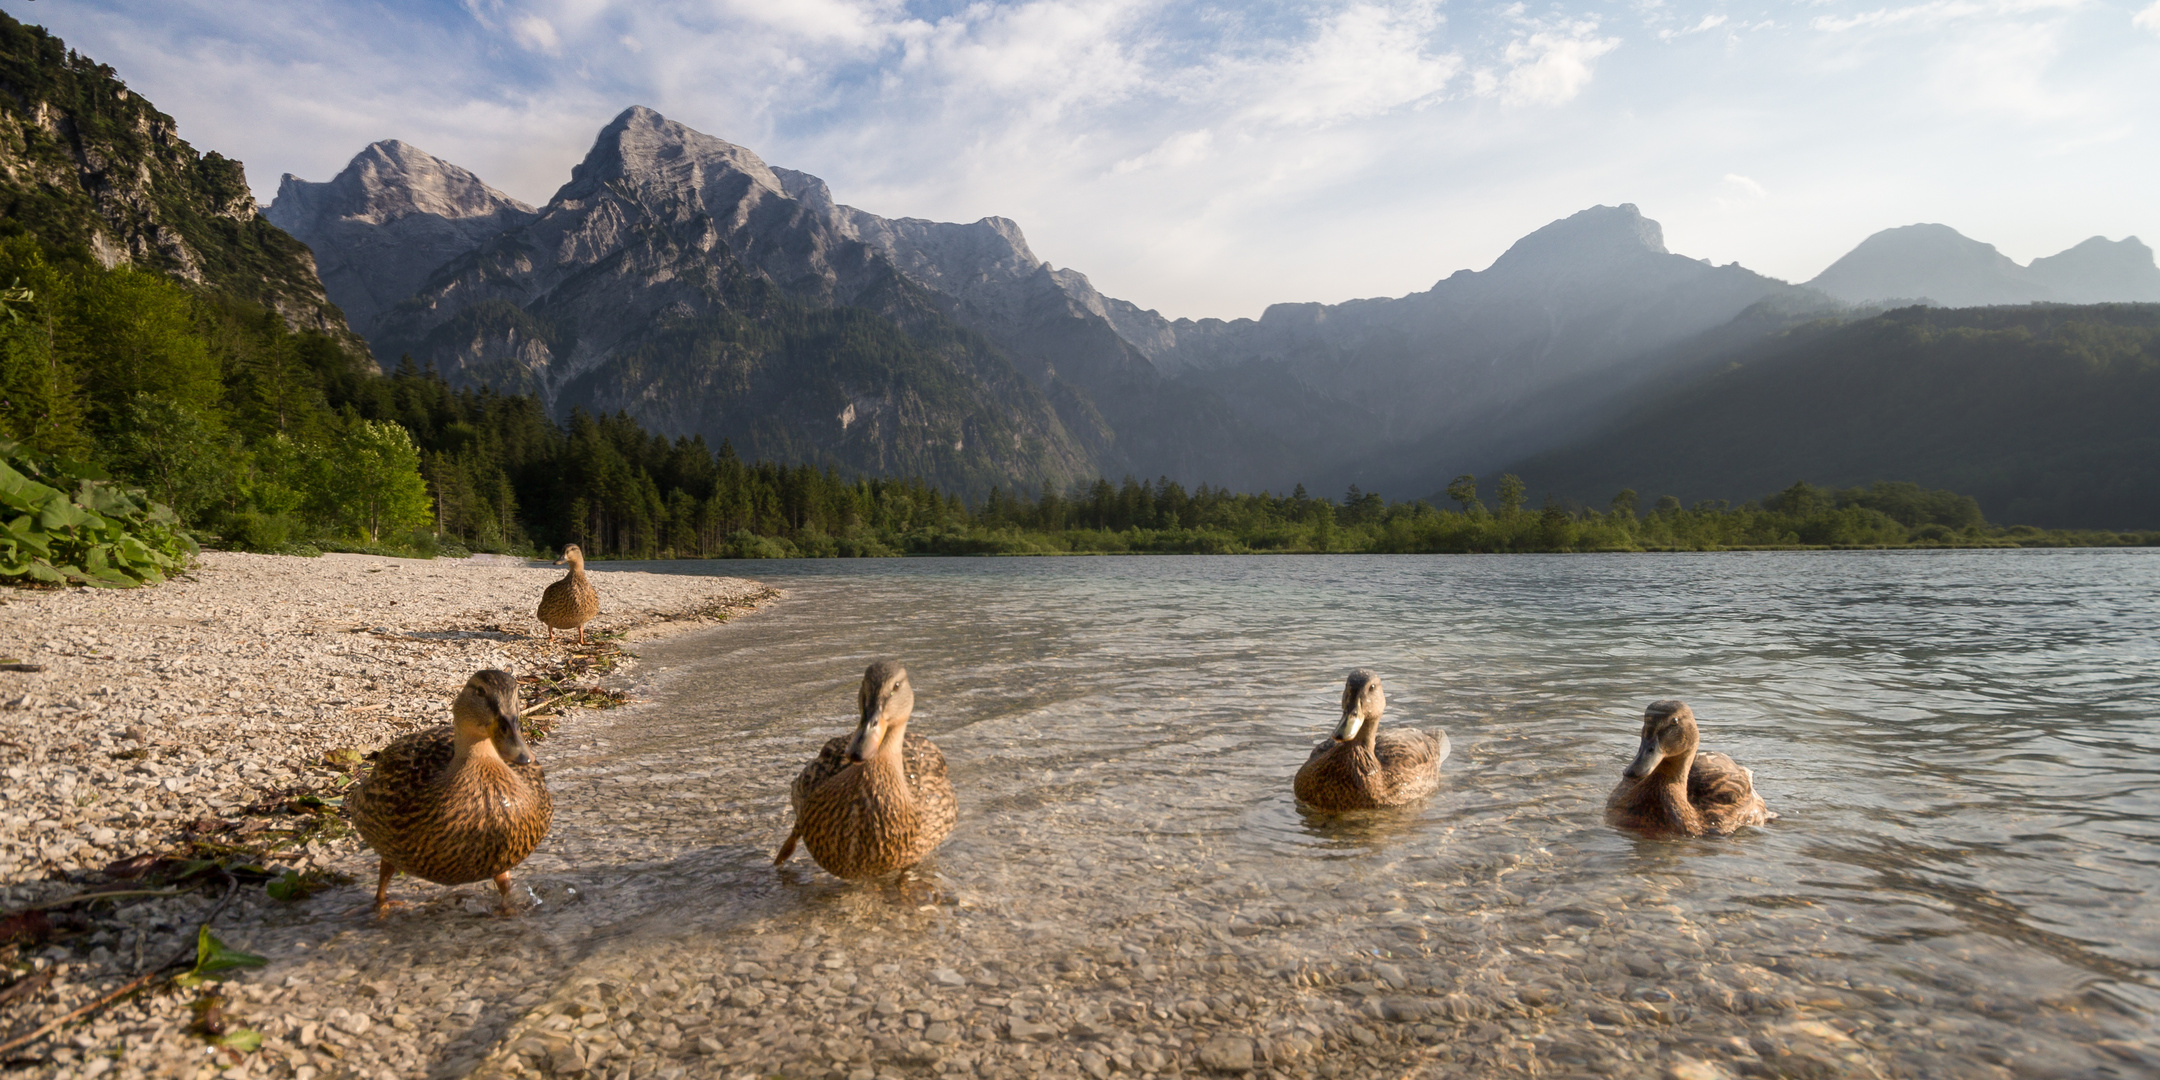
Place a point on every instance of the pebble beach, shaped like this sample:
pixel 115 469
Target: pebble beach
pixel 223 712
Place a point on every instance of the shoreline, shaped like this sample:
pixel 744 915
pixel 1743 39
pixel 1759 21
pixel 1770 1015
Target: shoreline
pixel 221 714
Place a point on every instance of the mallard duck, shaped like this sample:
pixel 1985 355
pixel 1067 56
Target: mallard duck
pixel 458 803
pixel 878 800
pixel 572 602
pixel 1361 769
pixel 1672 788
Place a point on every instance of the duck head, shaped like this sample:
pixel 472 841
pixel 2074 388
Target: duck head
pixel 887 700
pixel 1668 731
pixel 1362 703
pixel 573 555
pixel 486 711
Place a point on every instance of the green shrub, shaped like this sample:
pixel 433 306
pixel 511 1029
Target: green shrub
pixel 62 521
pixel 267 534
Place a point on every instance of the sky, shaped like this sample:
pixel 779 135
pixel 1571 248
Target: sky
pixel 1208 159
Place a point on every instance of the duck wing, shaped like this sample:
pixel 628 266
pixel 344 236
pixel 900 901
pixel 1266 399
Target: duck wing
pixel 397 796
pixel 1717 780
pixel 830 762
pixel 934 798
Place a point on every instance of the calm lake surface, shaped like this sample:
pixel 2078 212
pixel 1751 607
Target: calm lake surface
pixel 1962 746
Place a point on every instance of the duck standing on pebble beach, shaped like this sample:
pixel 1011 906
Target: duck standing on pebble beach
pixel 876 801
pixel 458 803
pixel 1361 769
pixel 572 602
pixel 1672 788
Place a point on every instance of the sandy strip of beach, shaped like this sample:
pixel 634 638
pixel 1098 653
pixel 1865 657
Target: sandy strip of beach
pixel 132 721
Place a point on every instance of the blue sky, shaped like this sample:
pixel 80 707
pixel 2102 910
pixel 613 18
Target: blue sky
pixel 1211 158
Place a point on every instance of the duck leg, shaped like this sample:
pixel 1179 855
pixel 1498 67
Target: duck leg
pixel 502 885
pixel 383 903
pixel 788 848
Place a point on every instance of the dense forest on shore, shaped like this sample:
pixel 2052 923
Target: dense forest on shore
pixel 262 438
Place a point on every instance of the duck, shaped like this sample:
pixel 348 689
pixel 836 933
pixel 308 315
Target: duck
pixel 1673 788
pixel 1362 769
pixel 876 801
pixel 457 803
pixel 572 602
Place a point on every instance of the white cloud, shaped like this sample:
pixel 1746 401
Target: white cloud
pixel 1552 65
pixel 1707 24
pixel 2148 19
pixel 537 34
pixel 1737 192
pixel 1364 61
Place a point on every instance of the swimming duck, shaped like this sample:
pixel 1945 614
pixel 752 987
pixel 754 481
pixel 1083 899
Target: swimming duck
pixel 572 602
pixel 1361 769
pixel 878 800
pixel 458 803
pixel 1670 787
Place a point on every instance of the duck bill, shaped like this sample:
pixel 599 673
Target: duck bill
pixel 868 735
pixel 1352 721
pixel 511 743
pixel 1646 760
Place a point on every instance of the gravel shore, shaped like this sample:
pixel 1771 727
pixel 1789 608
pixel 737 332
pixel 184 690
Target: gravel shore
pixel 219 716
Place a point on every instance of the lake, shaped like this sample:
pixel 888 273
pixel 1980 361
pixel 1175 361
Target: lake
pixel 1961 745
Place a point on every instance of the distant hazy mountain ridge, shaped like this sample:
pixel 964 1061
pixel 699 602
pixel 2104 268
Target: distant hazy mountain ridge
pixel 1938 264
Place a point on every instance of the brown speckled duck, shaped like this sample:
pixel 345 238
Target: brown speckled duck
pixel 459 803
pixel 1362 769
pixel 572 602
pixel 1672 788
pixel 876 801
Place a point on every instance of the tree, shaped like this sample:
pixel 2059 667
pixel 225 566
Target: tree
pixel 371 481
pixel 1511 494
pixel 1463 489
pixel 179 458
pixel 1624 504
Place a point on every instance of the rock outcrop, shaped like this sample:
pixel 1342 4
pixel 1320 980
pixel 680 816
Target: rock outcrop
pixel 88 165
pixel 393 216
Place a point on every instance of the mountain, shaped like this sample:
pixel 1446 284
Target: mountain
pixel 86 165
pixel 1439 382
pixel 2043 413
pixel 386 222
pixel 675 279
pixel 1938 264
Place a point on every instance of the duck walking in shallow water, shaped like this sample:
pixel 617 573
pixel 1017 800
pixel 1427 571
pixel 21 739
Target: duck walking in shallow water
pixel 1670 787
pixel 459 803
pixel 878 800
pixel 1362 769
pixel 572 602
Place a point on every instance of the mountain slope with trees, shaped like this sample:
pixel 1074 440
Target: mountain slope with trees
pixel 89 167
pixel 2043 413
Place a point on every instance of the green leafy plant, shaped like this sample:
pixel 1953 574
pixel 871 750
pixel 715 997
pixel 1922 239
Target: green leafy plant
pixel 62 521
pixel 213 958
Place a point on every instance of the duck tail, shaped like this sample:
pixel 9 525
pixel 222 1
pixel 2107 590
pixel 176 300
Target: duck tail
pixel 788 848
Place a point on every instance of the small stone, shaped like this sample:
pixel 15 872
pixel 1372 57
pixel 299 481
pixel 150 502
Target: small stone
pixel 1093 1064
pixel 1227 1053
pixel 1022 1030
pixel 947 977
pixel 749 997
pixel 940 1033
pixel 1391 975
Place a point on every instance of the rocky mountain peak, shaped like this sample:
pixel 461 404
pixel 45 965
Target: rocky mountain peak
pixel 1601 234
pixel 387 181
pixel 2099 271
pixel 659 156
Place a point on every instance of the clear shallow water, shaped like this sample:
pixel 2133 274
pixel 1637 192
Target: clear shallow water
pixel 1962 746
